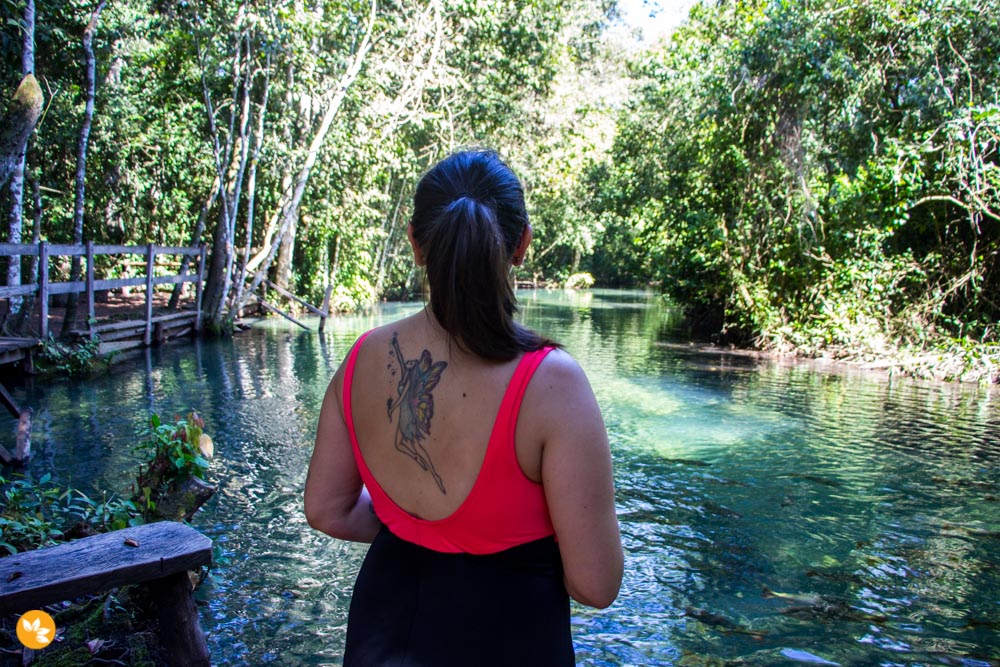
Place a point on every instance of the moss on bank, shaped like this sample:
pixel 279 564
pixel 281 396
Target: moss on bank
pixel 112 628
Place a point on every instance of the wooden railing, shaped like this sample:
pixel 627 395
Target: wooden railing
pixel 44 288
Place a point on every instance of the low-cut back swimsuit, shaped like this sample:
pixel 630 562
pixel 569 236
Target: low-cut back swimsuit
pixel 483 586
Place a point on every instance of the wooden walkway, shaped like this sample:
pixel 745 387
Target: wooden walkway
pixel 13 350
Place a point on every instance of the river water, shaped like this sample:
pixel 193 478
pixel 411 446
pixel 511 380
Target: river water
pixel 772 513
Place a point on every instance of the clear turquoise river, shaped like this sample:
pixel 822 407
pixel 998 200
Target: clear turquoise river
pixel 772 513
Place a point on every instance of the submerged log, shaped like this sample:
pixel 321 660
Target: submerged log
pixel 181 503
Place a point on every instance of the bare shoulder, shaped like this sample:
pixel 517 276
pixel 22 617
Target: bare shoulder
pixel 559 377
pixel 560 370
pixel 559 399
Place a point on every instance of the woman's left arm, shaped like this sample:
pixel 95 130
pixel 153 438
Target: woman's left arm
pixel 336 501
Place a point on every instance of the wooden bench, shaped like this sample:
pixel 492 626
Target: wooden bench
pixel 158 554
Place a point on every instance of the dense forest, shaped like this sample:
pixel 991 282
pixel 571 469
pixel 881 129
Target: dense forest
pixel 811 176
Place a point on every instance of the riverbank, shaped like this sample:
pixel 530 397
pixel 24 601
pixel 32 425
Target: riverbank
pixel 960 362
pixel 968 367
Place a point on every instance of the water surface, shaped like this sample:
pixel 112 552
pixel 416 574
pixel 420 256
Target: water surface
pixel 868 505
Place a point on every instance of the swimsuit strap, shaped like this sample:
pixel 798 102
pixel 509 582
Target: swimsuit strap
pixel 352 358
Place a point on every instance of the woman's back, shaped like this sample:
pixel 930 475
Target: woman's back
pixel 461 470
pixel 482 526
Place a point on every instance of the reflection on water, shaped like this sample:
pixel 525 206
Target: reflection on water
pixel 771 513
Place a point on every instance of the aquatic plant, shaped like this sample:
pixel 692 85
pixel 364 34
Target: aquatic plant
pixel 178 456
pixel 71 360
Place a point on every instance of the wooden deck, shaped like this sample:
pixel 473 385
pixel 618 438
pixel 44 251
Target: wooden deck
pixel 13 350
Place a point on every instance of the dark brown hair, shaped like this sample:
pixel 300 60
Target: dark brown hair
pixel 468 216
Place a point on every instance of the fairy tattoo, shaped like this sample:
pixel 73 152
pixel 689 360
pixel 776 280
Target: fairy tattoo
pixel 415 406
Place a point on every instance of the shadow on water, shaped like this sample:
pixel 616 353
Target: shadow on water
pixel 771 513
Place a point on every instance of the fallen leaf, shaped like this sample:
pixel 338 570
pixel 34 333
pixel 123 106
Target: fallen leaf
pixel 206 445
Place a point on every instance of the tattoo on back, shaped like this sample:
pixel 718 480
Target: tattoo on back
pixel 414 406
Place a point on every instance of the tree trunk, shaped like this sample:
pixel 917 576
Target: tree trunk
pixel 15 323
pixel 231 168
pixel 286 253
pixel 258 143
pixel 16 199
pixel 81 159
pixel 17 123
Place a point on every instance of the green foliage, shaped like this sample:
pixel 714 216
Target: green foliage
pixel 825 175
pixel 38 514
pixel 515 75
pixel 174 453
pixel 27 520
pixel 579 281
pixel 73 360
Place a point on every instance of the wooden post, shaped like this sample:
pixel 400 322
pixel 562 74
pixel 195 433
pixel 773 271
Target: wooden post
pixel 198 290
pixel 23 451
pixel 43 289
pixel 90 289
pixel 325 307
pixel 180 632
pixel 150 257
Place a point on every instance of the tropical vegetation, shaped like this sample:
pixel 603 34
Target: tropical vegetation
pixel 818 177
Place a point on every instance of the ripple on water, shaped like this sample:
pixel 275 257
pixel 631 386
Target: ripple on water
pixel 868 507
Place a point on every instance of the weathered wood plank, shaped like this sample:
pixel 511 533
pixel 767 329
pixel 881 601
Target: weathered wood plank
pixel 118 345
pixel 119 282
pixel 9 402
pixel 67 571
pixel 173 280
pixel 16 349
pixel 178 250
pixel 140 324
pixel 9 249
pixel 119 250
pixel 66 250
pixel 17 290
pixel 67 287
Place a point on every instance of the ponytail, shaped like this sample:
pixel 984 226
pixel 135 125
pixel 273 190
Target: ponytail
pixel 468 218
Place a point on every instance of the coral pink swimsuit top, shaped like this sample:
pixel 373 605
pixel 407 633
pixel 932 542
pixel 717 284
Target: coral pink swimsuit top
pixel 504 509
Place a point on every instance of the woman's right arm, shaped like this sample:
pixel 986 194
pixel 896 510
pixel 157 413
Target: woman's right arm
pixel 336 502
pixel 578 482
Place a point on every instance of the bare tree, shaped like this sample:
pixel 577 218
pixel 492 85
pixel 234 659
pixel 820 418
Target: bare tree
pixel 287 211
pixel 90 66
pixel 14 156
